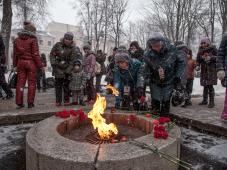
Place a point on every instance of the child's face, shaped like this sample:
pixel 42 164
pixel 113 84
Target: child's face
pixel 76 67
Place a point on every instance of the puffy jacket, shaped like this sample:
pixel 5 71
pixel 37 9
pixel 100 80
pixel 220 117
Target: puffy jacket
pixel 169 59
pixel 132 77
pixel 89 64
pixel 26 48
pixel 62 57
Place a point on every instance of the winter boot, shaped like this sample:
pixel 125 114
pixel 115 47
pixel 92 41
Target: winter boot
pixel 30 105
pixel 165 109
pixel 205 96
pixel 187 103
pixel 20 106
pixel 211 95
pixel 82 103
pixel 155 107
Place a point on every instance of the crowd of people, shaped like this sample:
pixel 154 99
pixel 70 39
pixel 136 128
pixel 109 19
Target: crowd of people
pixel 165 67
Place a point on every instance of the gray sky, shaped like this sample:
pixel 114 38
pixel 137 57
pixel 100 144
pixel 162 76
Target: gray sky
pixel 61 11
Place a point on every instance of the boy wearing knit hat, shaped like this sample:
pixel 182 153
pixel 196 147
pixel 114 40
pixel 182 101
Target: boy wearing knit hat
pixel 129 80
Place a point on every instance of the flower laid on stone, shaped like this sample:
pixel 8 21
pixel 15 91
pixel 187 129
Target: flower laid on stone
pixel 65 114
pixel 159 130
pixel 163 120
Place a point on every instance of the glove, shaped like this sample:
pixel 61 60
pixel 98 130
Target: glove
pixel 140 92
pixel 197 68
pixel 221 75
pixel 177 82
pixel 15 69
pixel 88 76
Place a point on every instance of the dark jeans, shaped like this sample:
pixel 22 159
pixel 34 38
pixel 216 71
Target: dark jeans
pixel 4 85
pixel 189 88
pixel 90 89
pixel 162 108
pixel 208 90
pixel 98 82
pixel 41 77
pixel 62 88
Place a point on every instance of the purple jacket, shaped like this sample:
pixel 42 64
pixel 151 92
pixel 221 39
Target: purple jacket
pixel 89 64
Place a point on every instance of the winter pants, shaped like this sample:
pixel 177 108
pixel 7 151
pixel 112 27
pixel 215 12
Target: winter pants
pixel 77 96
pixel 4 85
pixel 208 90
pixel 161 108
pixel 224 112
pixel 62 88
pixel 98 82
pixel 26 70
pixel 189 88
pixel 90 89
pixel 41 77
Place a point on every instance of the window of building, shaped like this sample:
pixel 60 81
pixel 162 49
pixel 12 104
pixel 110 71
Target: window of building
pixel 41 42
pixel 49 43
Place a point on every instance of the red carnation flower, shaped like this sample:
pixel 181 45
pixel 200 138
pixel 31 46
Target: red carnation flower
pixel 73 112
pixel 163 120
pixel 64 114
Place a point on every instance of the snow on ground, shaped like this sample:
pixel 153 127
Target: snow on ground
pixel 212 147
pixel 12 137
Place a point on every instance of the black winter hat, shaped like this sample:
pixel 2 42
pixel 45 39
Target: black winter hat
pixel 69 36
pixel 77 62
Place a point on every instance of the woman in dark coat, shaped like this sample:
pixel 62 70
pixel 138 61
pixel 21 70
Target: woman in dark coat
pixel 206 60
pixel 136 51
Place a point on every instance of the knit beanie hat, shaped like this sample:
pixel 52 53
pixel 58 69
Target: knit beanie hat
pixel 122 56
pixel 69 36
pixel 28 26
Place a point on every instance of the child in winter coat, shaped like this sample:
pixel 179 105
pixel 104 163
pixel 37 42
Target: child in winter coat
pixel 191 65
pixel 78 83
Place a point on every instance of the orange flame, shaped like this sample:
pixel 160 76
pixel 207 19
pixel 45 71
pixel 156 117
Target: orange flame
pixel 114 90
pixel 105 130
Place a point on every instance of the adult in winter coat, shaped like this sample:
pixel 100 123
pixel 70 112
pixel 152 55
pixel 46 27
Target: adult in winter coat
pixel 183 52
pixel 206 60
pixel 78 83
pixel 89 69
pixel 41 76
pixel 136 51
pixel 62 56
pixel 191 65
pixel 222 71
pixel 100 58
pixel 27 61
pixel 109 75
pixel 3 85
pixel 165 67
pixel 128 79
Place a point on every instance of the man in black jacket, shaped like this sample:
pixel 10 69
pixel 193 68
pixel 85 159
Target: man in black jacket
pixel 3 84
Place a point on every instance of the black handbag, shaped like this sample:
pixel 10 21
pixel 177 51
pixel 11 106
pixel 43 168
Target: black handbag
pixel 12 80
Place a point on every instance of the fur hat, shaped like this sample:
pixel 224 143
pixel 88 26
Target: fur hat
pixel 205 40
pixel 28 26
pixel 122 56
pixel 87 47
pixel 69 36
pixel 135 43
pixel 77 62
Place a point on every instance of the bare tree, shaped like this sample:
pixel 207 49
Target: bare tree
pixel 32 10
pixel 6 24
pixel 223 11
pixel 118 14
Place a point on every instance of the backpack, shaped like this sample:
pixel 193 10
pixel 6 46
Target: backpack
pixel 97 68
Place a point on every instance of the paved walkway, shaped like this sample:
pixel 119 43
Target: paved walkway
pixel 196 116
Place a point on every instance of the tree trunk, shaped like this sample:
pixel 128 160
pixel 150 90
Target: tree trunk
pixel 6 25
pixel 224 17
